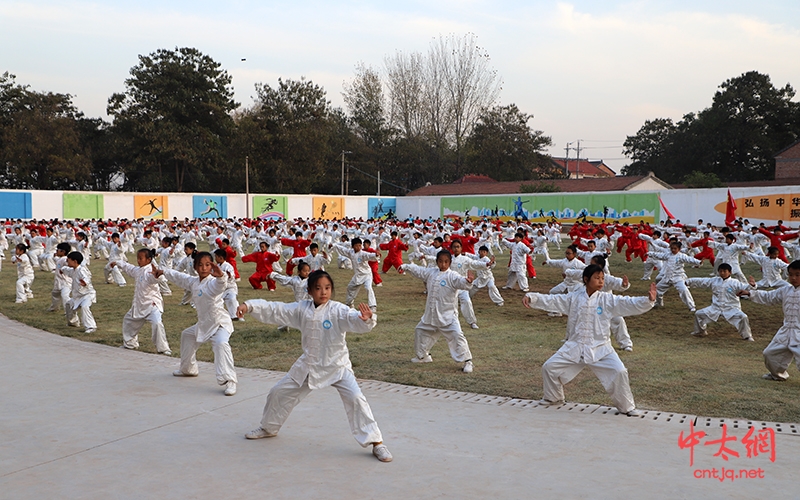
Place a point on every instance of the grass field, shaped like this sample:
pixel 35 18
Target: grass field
pixel 671 370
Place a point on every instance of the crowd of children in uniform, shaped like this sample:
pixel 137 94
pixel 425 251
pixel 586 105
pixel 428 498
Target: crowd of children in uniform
pixel 453 258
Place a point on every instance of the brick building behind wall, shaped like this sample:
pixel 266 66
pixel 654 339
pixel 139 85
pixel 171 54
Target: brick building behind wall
pixel 787 162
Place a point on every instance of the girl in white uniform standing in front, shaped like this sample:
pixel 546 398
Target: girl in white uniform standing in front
pixel 325 360
pixel 148 304
pixel 24 273
pixel 213 321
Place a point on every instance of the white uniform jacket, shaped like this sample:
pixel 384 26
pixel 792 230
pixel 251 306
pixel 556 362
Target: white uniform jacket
pixel 724 299
pixel 146 293
pixel 207 298
pixel 441 308
pixel 789 296
pixel 673 265
pixel 325 356
pixel 589 320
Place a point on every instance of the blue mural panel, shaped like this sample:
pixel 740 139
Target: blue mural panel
pixel 380 208
pixel 15 206
pixel 210 207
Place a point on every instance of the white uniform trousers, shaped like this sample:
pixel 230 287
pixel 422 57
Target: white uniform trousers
pixel 558 371
pixel 60 297
pixel 425 336
pixel 352 292
pixel 113 274
pixel 163 287
pixel 494 293
pixel 517 278
pixel 187 297
pixel 739 321
pixel 620 331
pixel 131 327
pixel 286 394
pixel 46 262
pixel 684 293
pixel 83 306
pixel 24 291
pixel 778 355
pixel 466 307
pixel 223 357
pixel 231 302
pixel 649 266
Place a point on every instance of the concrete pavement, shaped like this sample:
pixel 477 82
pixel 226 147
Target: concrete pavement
pixel 81 420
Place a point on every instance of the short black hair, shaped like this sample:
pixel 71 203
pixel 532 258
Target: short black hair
pixel 76 256
pixel 724 267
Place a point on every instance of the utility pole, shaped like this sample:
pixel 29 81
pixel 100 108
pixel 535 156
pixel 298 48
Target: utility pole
pixel 347 182
pixel 578 165
pixel 566 159
pixel 247 187
pixel 344 153
pixel 379 182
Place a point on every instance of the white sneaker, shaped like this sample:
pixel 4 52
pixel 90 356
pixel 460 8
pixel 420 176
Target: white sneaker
pixel 554 314
pixel 769 376
pixel 259 434
pixel 749 339
pixel 283 328
pixel 628 348
pixel 230 388
pixel 381 452
pixel 634 413
pixel 167 353
pixel 381 284
pixel 468 367
pixel 90 330
pixel 178 373
pixel 500 304
pixel 426 359
pixel 474 326
pixel 20 301
pixel 702 333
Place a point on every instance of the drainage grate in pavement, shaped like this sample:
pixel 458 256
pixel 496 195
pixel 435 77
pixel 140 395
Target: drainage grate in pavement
pixel 778 427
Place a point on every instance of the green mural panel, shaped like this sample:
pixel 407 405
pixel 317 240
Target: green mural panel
pixel 83 206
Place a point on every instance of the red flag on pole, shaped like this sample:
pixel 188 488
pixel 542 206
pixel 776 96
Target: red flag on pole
pixel 666 210
pixel 730 211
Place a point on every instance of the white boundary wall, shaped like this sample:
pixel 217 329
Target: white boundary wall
pixel 688 205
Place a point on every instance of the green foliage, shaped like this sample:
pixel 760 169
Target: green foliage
pixel 748 121
pixel 504 147
pixel 701 180
pixel 41 144
pixel 172 121
pixel 539 187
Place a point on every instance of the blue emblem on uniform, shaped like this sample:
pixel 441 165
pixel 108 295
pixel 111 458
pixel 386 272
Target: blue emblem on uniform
pixel 443 283
pixel 327 324
pixel 200 293
pixel 599 310
pixel 730 290
pixel 459 265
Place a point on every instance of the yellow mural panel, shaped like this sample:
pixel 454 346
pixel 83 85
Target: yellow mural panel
pixel 328 208
pixel 784 206
pixel 150 207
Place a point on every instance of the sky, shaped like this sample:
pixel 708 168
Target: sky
pixel 592 71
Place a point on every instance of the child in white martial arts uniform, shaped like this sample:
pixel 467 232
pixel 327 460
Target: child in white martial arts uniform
pixel 231 293
pixel 588 341
pixel 673 274
pixel 325 360
pixel 724 302
pixel 148 305
pixel 62 284
pixel 462 264
pixel 362 273
pixel 298 284
pixel 24 273
pixel 441 314
pixel 116 253
pixel 213 321
pixel 773 269
pixel 317 260
pixel 484 277
pixel 186 266
pixel 517 270
pixel 785 345
pixel 570 261
pixel 82 295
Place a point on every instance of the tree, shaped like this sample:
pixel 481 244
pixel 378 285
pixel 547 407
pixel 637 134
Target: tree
pixel 366 103
pixel 40 139
pixel 288 133
pixel 174 119
pixel 735 138
pixel 701 180
pixel 503 146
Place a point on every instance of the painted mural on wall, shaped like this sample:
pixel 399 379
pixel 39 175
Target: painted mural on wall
pixel 328 208
pixel 565 208
pixel 769 207
pixel 209 207
pixel 382 208
pixel 150 206
pixel 82 206
pixel 269 207
pixel 15 206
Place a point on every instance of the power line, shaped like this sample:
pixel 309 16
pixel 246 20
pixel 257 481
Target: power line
pixel 376 178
